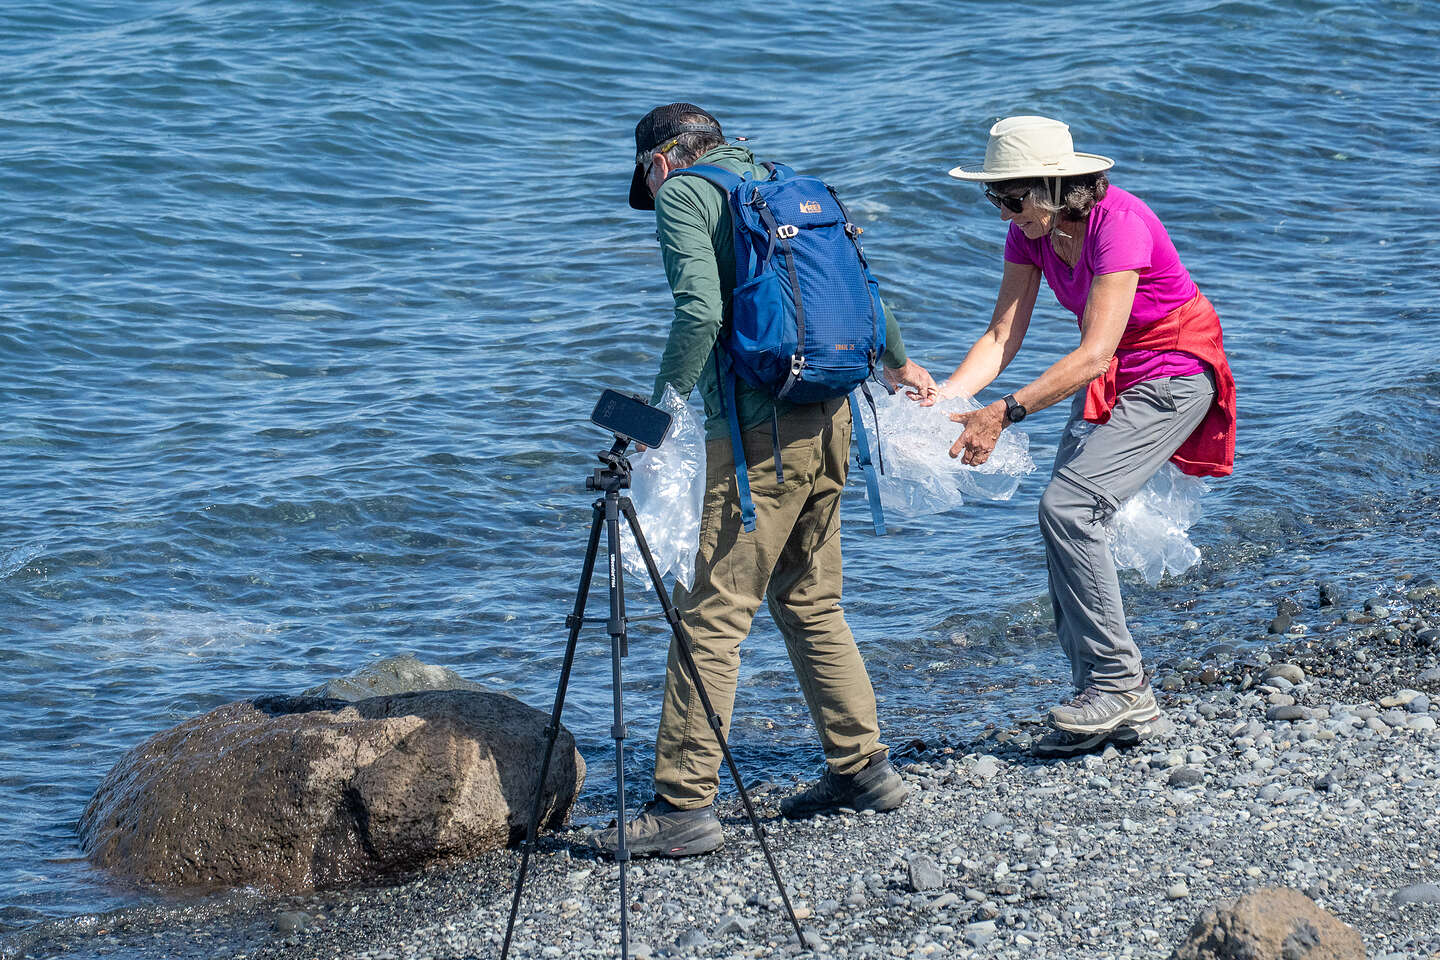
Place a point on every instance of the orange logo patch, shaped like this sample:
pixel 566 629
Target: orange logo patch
pixel 810 206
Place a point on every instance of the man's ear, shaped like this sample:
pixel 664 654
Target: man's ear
pixel 659 169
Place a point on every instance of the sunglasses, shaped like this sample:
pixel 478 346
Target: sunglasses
pixel 646 157
pixel 1013 204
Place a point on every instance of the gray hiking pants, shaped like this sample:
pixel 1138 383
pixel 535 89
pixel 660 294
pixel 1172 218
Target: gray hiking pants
pixel 1087 486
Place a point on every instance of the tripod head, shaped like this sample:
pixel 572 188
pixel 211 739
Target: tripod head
pixel 627 418
pixel 615 475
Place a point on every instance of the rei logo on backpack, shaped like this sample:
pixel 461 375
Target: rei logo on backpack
pixel 806 319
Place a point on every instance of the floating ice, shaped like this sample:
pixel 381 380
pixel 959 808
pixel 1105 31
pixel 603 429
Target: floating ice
pixel 667 486
pixel 870 210
pixel 1149 533
pixel 920 475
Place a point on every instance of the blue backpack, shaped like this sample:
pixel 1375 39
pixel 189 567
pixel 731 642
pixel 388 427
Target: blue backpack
pixel 806 319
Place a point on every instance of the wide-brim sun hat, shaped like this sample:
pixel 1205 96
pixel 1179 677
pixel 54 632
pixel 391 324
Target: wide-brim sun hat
pixel 1031 147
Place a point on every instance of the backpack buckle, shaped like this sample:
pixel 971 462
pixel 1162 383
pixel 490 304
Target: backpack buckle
pixel 787 231
pixel 853 230
pixel 797 364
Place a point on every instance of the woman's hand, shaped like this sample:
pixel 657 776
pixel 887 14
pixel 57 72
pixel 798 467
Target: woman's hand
pixel 982 432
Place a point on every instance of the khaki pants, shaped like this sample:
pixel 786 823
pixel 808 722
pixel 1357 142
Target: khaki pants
pixel 792 558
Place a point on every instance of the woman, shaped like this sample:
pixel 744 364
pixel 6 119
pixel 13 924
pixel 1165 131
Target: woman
pixel 1150 370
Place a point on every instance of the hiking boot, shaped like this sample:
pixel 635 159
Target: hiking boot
pixel 662 829
pixel 874 787
pixel 1099 711
pixel 1142 731
pixel 1064 743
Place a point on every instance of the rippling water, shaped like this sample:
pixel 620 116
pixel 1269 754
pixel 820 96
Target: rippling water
pixel 305 305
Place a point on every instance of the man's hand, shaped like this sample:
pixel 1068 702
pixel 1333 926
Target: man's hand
pixel 941 391
pixel 911 375
pixel 982 431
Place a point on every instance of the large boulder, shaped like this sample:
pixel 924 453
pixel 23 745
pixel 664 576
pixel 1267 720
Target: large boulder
pixel 299 793
pixel 1273 923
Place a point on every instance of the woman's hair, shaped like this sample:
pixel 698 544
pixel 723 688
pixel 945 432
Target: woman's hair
pixel 689 147
pixel 1078 195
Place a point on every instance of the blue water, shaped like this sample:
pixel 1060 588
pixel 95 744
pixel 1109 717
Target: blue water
pixel 304 305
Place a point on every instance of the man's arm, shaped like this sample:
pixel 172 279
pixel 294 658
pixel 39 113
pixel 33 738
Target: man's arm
pixel 683 225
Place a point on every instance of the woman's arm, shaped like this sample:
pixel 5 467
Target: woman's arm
pixel 998 345
pixel 1107 310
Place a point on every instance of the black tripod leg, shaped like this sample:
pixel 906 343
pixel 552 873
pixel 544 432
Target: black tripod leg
pixel 553 730
pixel 687 658
pixel 618 649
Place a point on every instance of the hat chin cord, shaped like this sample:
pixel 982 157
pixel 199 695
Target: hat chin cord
pixel 1054 191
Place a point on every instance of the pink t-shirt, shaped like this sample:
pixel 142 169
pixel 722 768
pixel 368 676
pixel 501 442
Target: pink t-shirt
pixel 1121 234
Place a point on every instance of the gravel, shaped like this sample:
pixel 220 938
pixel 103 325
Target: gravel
pixel 996 854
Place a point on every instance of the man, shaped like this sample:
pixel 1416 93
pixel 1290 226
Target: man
pixel 791 559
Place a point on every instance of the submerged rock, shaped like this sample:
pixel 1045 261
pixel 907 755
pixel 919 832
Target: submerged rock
pixel 1275 923
pixel 402 674
pixel 1287 606
pixel 298 793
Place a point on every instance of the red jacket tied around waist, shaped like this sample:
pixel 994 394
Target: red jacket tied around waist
pixel 1194 328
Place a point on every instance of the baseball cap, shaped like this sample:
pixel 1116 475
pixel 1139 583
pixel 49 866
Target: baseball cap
pixel 657 128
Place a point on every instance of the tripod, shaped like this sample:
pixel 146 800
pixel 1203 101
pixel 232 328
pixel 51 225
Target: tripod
pixel 611 479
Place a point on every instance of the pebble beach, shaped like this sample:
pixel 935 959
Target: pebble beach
pixel 1313 763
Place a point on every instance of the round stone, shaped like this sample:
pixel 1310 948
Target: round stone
pixel 1186 776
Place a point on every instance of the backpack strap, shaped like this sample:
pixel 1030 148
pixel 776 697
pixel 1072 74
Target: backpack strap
pixel 853 232
pixel 727 182
pixel 775 440
pixel 875 415
pixel 862 439
pixel 719 176
pixel 777 232
pixel 737 443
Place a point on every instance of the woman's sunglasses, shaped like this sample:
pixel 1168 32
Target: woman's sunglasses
pixel 1013 204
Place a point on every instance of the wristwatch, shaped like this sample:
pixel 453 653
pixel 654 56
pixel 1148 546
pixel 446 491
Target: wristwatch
pixel 1014 411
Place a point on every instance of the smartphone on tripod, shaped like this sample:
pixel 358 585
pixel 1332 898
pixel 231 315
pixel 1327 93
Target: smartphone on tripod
pixel 631 418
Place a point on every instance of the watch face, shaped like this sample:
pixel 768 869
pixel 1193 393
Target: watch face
pixel 1017 413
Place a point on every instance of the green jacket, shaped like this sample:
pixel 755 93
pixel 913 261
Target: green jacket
pixel 693 225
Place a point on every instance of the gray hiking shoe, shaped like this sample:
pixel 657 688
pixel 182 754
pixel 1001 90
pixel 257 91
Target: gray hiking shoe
pixel 1098 711
pixel 875 787
pixel 1064 743
pixel 663 830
